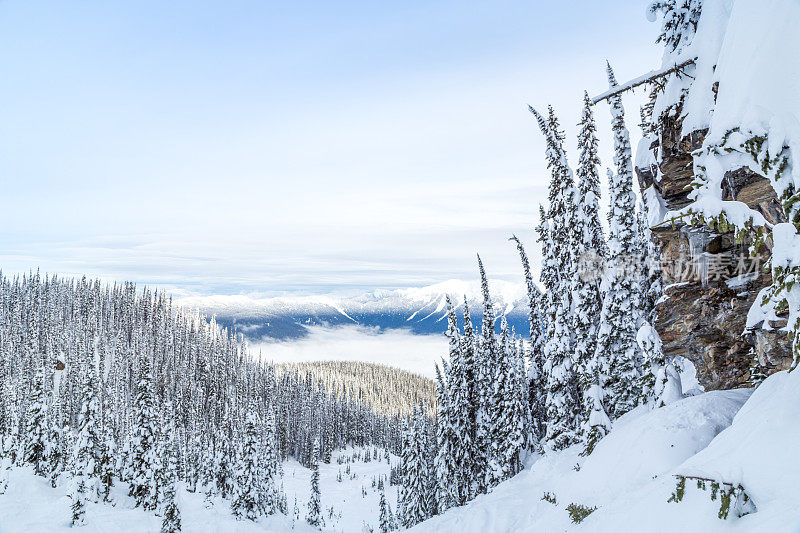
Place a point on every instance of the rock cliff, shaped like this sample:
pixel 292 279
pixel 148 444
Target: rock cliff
pixel 710 280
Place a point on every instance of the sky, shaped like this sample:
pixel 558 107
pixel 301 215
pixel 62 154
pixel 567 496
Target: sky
pixel 267 148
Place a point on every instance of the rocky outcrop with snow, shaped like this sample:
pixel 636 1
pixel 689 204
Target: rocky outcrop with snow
pixel 712 191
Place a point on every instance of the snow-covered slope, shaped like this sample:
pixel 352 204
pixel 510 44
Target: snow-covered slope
pixel 419 309
pixel 30 505
pixel 728 436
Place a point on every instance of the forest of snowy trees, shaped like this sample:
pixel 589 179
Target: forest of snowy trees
pixel 103 385
pixel 385 389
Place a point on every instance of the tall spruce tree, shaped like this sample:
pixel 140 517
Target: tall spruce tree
pixel 617 334
pixel 249 491
pixel 145 461
pixel 563 405
pixel 508 438
pixel 459 462
pixel 470 467
pixel 523 395
pixel 171 522
pixel 87 453
pixel 385 519
pixel 486 356
pixel 35 436
pixel 591 248
pixel 536 382
pixel 270 463
pixel 417 469
pixel 314 515
pixel 448 442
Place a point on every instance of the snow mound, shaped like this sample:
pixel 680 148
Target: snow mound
pixel 759 451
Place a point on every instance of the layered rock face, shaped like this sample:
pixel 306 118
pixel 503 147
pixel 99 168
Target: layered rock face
pixel 710 280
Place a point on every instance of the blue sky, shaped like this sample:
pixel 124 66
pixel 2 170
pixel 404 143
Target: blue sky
pixel 259 147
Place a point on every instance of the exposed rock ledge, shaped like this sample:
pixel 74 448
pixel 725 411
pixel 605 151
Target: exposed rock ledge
pixel 703 318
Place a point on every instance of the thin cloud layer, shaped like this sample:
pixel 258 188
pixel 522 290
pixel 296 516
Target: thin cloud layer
pixel 399 348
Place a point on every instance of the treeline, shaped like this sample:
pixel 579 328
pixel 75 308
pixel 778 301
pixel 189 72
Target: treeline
pixel 103 385
pixel 385 389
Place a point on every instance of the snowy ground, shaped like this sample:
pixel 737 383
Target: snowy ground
pixel 30 505
pixel 739 436
pixel 723 435
pixel 351 508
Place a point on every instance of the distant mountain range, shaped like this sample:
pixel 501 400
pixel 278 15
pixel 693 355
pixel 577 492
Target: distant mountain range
pixel 421 310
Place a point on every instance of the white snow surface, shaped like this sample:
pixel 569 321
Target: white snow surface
pixel 30 505
pixel 758 71
pixel 748 47
pixel 759 451
pixel 629 477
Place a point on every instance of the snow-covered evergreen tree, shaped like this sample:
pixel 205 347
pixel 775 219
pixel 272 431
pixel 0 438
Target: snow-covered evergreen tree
pixel 35 434
pixel 470 467
pixel 270 465
pixel 77 495
pixel 485 356
pixel 618 318
pixel 536 381
pixel 508 438
pixel 563 405
pixel 590 245
pixel 171 522
pixel 87 454
pixel 448 441
pixel 522 396
pixel 591 248
pixel 417 472
pixel 249 491
pixel 144 459
pixel 455 428
pixel 5 464
pixel 314 515
pixel 680 18
pixel 385 519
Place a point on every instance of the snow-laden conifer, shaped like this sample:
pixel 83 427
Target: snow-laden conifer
pixel 618 319
pixel 448 442
pixel 314 515
pixel 171 521
pixel 485 356
pixel 508 439
pixel 470 467
pixel 249 492
pixel 563 405
pixel 385 518
pixel 536 382
pixel 35 430
pixel 592 366
pixel 144 461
